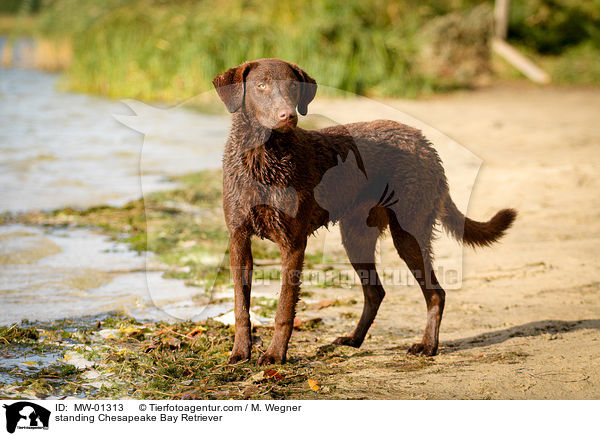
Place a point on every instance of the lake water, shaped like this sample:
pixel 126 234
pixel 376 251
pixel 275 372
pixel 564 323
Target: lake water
pixel 62 149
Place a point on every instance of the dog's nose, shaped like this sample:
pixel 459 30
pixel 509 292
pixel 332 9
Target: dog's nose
pixel 287 115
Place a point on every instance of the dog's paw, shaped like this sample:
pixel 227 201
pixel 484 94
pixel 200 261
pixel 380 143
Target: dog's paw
pixel 346 340
pixel 239 355
pixel 269 359
pixel 422 350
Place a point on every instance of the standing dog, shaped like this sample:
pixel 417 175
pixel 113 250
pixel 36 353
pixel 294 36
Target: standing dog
pixel 282 182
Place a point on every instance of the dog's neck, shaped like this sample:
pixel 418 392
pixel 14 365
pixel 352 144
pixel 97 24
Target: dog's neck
pixel 263 152
pixel 248 132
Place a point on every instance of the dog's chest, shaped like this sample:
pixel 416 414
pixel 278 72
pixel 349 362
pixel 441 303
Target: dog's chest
pixel 263 189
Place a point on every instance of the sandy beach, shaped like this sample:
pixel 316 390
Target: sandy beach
pixel 526 322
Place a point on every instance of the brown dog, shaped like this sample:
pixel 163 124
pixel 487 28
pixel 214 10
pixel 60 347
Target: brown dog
pixel 282 183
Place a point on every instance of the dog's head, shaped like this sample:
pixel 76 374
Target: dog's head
pixel 269 90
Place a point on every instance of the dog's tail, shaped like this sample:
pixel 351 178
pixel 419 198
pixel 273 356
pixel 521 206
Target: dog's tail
pixel 475 233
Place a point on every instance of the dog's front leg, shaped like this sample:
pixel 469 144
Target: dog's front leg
pixel 292 259
pixel 240 255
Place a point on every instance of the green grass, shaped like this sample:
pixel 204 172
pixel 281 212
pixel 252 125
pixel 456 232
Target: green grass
pixel 170 51
pixel 158 50
pixel 578 65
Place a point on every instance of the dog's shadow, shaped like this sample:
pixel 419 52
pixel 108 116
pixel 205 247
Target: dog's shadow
pixel 537 328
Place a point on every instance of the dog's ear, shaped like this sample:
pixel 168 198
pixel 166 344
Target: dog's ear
pixel 231 87
pixel 308 89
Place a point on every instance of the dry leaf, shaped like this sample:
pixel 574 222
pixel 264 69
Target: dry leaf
pixel 273 374
pixel 133 332
pixel 307 324
pixel 256 377
pixel 313 384
pixel 196 331
pixel 171 342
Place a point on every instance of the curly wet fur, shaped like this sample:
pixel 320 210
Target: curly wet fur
pixel 282 182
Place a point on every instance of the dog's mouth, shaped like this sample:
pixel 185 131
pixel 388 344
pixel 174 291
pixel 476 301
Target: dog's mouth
pixel 286 126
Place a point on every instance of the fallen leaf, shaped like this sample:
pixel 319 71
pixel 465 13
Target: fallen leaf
pixel 196 331
pixel 171 342
pixel 313 384
pixel 273 374
pixel 256 377
pixel 130 330
pixel 301 324
pixel 133 332
pixel 30 363
pixel 325 303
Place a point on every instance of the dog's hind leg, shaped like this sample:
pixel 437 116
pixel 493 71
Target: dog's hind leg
pixel 359 241
pixel 418 260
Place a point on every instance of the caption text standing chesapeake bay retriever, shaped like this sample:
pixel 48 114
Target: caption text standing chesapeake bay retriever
pixel 282 182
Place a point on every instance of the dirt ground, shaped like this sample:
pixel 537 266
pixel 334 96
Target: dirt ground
pixel 526 322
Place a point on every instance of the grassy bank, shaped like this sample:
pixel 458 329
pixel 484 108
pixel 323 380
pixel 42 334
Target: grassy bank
pixel 154 50
pixel 170 51
pixel 114 357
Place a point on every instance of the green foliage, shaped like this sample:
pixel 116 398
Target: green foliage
pixel 171 50
pixel 577 65
pixel 19 6
pixel 157 50
pixel 554 26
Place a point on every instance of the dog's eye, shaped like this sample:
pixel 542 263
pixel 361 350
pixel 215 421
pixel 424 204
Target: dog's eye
pixel 261 86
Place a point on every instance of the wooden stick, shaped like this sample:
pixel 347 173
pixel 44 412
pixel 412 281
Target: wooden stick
pixel 520 62
pixel 501 8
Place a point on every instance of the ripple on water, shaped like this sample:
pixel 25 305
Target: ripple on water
pixel 85 273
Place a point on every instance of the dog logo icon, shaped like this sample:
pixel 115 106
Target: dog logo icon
pixel 26 415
